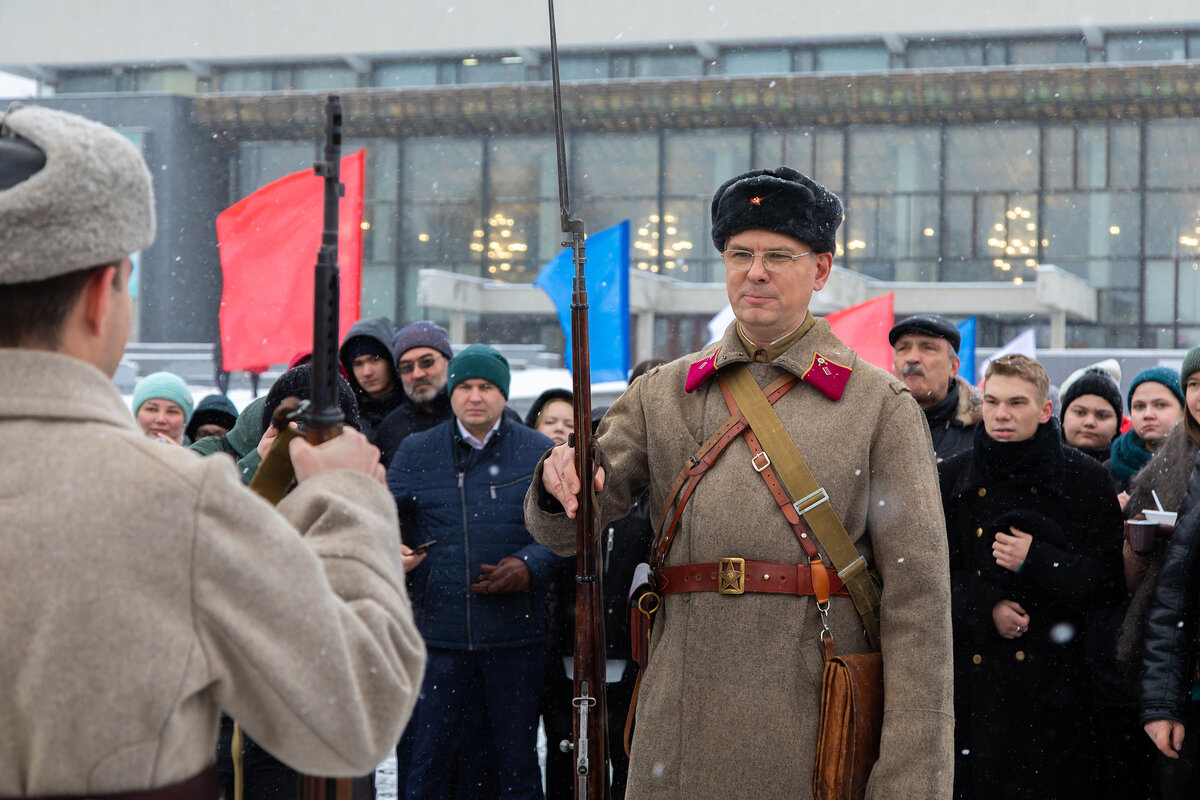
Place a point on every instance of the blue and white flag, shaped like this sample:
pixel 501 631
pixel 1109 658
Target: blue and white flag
pixel 607 273
pixel 966 350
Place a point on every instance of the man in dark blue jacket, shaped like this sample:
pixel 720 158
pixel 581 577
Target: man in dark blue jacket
pixel 479 595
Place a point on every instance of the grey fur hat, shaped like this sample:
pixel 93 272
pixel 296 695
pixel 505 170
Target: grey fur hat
pixel 91 203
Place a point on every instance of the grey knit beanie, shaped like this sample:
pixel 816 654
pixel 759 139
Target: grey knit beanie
pixel 91 203
pixel 421 334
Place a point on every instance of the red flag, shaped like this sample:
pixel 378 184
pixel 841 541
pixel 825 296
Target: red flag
pixel 864 328
pixel 269 243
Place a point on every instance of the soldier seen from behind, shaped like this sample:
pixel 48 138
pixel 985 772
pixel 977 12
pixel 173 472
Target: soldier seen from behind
pixel 145 588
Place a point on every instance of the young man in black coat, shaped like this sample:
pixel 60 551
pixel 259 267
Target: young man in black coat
pixel 1035 544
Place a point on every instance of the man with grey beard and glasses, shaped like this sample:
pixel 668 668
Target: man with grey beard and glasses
pixel 926 359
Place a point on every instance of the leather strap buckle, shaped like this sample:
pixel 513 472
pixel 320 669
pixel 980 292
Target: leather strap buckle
pixel 809 502
pixel 766 461
pixel 731 576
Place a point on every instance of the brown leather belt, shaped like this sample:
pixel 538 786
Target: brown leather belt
pixel 202 786
pixel 738 575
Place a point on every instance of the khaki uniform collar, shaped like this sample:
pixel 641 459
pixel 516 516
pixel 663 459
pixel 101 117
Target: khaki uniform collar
pixel 765 355
pixel 812 337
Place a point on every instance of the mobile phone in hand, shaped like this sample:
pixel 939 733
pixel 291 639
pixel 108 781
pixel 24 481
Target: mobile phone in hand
pixel 424 546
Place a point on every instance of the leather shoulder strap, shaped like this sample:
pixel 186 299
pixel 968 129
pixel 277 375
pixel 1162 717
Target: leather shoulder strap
pixel 695 469
pixel 810 499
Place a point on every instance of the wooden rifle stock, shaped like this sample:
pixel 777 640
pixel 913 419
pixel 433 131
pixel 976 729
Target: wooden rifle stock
pixel 590 744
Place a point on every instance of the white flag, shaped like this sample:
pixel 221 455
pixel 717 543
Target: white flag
pixel 718 324
pixel 1023 343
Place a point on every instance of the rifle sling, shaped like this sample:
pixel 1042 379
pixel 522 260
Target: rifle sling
pixel 813 506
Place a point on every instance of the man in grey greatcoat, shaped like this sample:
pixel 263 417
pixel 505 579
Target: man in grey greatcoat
pixel 145 588
pixel 728 704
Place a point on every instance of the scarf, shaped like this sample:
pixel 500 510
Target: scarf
pixel 1129 455
pixel 1037 460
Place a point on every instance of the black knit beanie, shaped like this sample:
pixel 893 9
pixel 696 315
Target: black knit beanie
pixel 297 382
pixel 1093 381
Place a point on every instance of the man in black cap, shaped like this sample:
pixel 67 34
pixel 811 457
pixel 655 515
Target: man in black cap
pixel 728 704
pixel 926 358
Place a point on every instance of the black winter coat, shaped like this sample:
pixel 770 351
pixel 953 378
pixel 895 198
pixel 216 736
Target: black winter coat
pixel 472 502
pixel 407 419
pixel 952 420
pixel 372 410
pixel 1021 704
pixel 1169 653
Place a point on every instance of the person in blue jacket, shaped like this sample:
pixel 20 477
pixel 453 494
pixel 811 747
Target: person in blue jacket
pixel 479 595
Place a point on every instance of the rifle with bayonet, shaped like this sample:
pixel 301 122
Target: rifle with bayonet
pixel 590 717
pixel 320 417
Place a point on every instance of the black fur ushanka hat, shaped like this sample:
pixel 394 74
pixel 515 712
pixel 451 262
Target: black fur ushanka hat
pixel 779 200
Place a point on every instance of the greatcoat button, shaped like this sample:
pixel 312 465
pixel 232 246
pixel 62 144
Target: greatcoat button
pixel 976 659
pixel 978 532
pixel 982 491
pixel 1020 656
pixel 1033 490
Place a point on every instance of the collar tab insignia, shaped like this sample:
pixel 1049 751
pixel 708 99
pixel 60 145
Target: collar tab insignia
pixel 827 376
pixel 700 372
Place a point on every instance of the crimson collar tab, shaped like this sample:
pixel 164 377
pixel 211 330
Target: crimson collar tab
pixel 700 372
pixel 829 377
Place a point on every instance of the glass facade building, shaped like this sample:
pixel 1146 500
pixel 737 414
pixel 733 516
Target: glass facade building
pixel 964 159
pixel 1112 199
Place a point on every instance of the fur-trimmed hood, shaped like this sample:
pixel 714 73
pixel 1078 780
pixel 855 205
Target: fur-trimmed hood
pixel 970 404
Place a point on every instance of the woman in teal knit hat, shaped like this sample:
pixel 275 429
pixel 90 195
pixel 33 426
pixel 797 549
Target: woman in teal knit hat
pixel 162 406
pixel 1155 404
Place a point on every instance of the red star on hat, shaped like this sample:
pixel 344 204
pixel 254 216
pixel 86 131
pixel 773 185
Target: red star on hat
pixel 756 201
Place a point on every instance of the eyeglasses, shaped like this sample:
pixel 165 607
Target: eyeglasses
pixel 424 362
pixel 773 260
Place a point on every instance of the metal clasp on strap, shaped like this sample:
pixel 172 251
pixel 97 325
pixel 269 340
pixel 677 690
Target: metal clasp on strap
pixel 731 576
pixel 766 461
pixel 853 568
pixel 810 501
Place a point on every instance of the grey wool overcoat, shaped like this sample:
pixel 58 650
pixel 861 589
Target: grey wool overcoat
pixel 729 702
pixel 145 589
